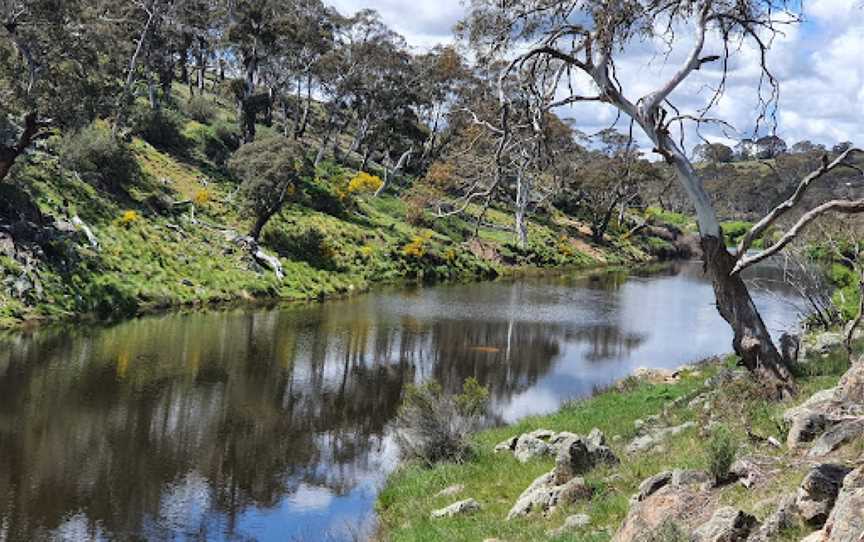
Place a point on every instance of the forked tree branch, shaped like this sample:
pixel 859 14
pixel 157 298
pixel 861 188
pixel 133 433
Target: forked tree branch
pixel 837 206
pixel 760 227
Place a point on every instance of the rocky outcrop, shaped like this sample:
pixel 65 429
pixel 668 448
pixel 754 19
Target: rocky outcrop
pixel 846 522
pixel 461 508
pixel 818 491
pixel 830 417
pixel 651 437
pixel 726 525
pixel 529 447
pixel 577 455
pixel 543 495
pixel 678 497
pixel 839 434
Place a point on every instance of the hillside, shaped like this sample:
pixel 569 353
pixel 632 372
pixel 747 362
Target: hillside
pixel 173 232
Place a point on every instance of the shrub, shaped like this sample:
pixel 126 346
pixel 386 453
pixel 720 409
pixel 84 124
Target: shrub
pixel 200 109
pixel 98 157
pixel 161 128
pixel 721 450
pixel 418 246
pixel 416 204
pixel 207 143
pixel 202 197
pixel 432 427
pixel 271 170
pixel 228 134
pixel 128 218
pixel 364 183
pixel 310 245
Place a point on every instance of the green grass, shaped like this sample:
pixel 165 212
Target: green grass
pixel 329 245
pixel 496 480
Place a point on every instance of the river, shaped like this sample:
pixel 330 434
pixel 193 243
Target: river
pixel 273 424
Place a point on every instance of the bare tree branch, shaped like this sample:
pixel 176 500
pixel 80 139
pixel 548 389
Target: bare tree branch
pixel 838 206
pixel 769 219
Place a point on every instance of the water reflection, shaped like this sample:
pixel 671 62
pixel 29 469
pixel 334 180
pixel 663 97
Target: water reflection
pixel 273 424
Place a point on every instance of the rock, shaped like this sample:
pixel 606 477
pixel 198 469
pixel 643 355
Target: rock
pixel 846 521
pixel 824 343
pixel 726 525
pixel 774 442
pixel 461 508
pixel 573 491
pixel 638 425
pixel 837 436
pixel 689 477
pixel 850 390
pixel 746 471
pixel 657 375
pixel 669 505
pixel 647 441
pixel 572 523
pixel 818 491
pixel 542 434
pixel 579 455
pixel 596 438
pixel 543 495
pixel 651 485
pixel 806 425
pixel 784 517
pixel 528 448
pixel 451 491
pixel 506 445
pixel 640 444
pixel 538 495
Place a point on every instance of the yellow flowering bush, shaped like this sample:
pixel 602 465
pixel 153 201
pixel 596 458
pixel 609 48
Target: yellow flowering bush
pixel 418 245
pixel 364 183
pixel 202 197
pixel 129 218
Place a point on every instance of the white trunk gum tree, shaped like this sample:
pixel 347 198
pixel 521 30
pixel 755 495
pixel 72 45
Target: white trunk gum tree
pixel 584 36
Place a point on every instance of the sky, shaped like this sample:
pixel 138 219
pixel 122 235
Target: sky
pixel 819 63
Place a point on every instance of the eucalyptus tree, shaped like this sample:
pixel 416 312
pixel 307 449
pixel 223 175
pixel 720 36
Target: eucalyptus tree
pixel 443 73
pixel 253 36
pixel 48 69
pixel 366 78
pixel 584 40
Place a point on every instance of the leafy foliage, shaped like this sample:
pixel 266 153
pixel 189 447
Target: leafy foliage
pixel 99 158
pixel 720 450
pixel 271 170
pixel 433 427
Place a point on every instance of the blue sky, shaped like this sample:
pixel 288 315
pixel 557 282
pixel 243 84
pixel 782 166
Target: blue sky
pixel 820 65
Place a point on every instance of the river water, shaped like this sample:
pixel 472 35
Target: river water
pixel 272 424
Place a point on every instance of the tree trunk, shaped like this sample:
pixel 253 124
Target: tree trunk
pixel 307 104
pixel 8 154
pixel 248 110
pixel 184 58
pixel 752 341
pixel 125 97
pixel 260 222
pixel 523 192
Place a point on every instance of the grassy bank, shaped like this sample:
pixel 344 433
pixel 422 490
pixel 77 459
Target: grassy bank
pixel 497 479
pixel 164 208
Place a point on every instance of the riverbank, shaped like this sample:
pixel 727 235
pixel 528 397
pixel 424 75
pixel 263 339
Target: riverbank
pixel 655 423
pixel 174 238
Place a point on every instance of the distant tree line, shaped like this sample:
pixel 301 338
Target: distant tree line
pixel 763 148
